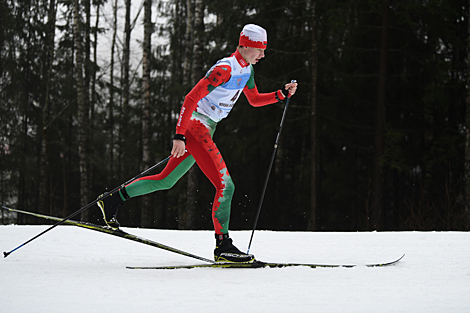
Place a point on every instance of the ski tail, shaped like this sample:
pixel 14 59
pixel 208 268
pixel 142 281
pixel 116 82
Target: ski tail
pixel 117 233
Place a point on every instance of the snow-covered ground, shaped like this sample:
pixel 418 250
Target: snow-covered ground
pixel 76 270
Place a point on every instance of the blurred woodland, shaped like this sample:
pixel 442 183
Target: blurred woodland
pixel 376 138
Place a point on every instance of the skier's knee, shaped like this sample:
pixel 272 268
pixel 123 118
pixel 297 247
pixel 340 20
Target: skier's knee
pixel 229 186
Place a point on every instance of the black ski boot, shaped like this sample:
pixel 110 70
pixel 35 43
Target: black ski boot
pixel 225 251
pixel 109 207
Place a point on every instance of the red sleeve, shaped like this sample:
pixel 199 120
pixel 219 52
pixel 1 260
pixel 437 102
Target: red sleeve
pixel 218 76
pixel 257 99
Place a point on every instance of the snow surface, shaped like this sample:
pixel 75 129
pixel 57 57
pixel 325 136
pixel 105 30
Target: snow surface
pixel 71 269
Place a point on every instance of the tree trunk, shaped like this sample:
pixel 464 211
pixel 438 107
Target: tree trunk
pixel 125 85
pixel 87 107
pixel 467 135
pixel 111 98
pixel 312 222
pixel 197 72
pixel 126 54
pixel 198 36
pixel 188 48
pixel 93 93
pixel 375 220
pixel 81 104
pixel 94 67
pixel 185 215
pixel 146 219
pixel 50 35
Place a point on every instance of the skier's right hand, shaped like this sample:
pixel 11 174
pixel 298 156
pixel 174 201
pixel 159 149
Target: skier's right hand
pixel 179 148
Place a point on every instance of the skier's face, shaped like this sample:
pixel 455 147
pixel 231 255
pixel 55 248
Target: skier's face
pixel 253 55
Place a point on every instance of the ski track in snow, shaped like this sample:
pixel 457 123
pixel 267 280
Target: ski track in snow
pixel 76 270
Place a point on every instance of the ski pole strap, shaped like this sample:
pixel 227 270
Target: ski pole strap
pixel 180 137
pixel 279 95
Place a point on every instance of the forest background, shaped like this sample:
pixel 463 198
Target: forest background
pixel 376 138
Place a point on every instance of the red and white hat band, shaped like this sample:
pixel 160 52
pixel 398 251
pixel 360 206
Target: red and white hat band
pixel 253 36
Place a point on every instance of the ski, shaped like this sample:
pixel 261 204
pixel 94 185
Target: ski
pixel 212 264
pixel 117 233
pixel 258 264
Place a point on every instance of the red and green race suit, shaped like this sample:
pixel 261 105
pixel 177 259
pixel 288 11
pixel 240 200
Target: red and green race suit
pixel 205 105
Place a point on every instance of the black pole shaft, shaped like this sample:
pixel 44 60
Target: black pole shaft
pixel 106 194
pixel 276 144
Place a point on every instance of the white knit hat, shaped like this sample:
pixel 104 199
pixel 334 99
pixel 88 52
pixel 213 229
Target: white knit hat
pixel 253 36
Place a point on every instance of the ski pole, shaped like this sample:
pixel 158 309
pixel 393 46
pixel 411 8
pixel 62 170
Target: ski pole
pixel 269 169
pixel 106 194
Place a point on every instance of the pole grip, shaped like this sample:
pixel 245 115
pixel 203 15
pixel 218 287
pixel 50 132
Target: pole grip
pixel 288 93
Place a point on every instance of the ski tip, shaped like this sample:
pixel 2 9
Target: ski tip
pixel 386 264
pixel 399 259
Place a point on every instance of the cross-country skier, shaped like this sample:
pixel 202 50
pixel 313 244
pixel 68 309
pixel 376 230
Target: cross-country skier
pixel 210 101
